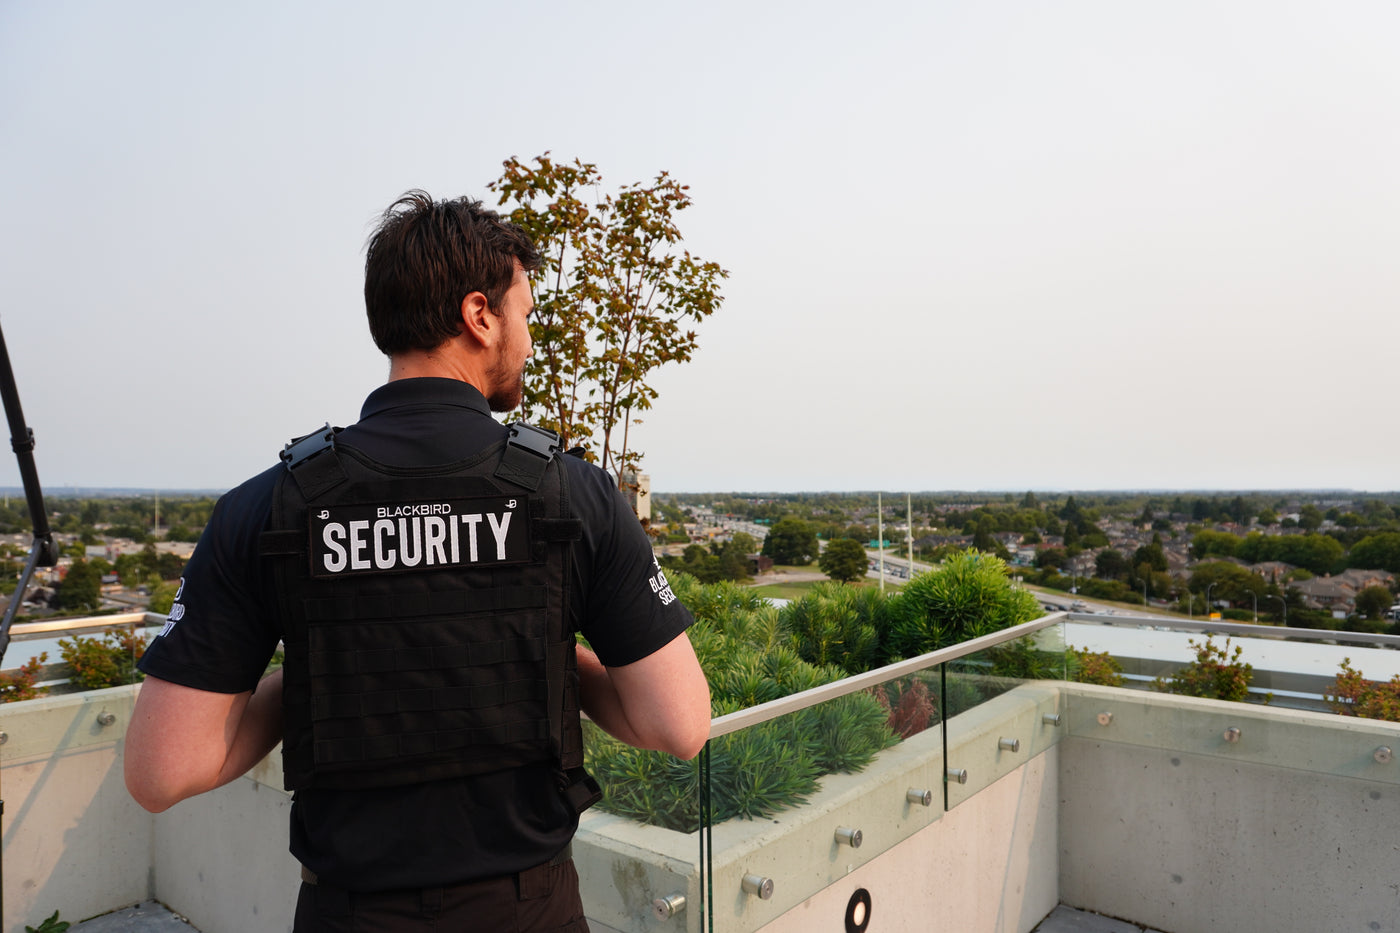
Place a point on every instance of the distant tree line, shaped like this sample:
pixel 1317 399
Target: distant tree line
pixel 182 518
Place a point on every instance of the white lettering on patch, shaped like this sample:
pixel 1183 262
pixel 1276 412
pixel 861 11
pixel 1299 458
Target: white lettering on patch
pixel 368 538
pixel 660 586
pixel 177 610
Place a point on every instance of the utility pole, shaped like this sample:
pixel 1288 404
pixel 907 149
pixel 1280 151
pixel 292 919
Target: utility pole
pixel 909 535
pixel 880 537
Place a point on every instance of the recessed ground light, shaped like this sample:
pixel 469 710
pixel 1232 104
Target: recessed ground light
pixel 858 911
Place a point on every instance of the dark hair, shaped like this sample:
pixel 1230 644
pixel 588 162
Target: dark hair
pixel 425 257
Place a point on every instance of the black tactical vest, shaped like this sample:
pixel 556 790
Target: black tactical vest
pixel 426 616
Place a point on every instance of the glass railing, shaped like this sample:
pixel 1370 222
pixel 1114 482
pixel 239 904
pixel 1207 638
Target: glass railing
pixel 809 787
pixel 42 639
pixel 791 795
pixel 1289 669
pixel 1292 667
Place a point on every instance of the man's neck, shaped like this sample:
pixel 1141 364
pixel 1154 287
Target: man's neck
pixel 440 362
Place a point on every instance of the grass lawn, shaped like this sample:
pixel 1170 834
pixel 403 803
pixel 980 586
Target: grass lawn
pixel 799 588
pixel 786 590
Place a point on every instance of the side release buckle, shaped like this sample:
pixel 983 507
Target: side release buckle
pixel 529 451
pixel 315 475
pixel 301 449
pixel 539 441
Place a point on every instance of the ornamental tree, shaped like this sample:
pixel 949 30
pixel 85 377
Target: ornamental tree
pixel 614 299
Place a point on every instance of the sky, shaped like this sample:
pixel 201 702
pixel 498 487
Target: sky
pixel 982 246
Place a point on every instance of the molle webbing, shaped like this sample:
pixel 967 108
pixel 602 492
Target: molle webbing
pixel 355 705
pixel 350 608
pixel 446 657
pixel 353 750
pixel 398 674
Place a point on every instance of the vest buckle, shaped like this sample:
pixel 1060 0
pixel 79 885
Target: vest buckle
pixel 301 449
pixel 539 441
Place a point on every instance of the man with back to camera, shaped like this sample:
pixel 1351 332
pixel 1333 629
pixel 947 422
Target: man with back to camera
pixel 425 569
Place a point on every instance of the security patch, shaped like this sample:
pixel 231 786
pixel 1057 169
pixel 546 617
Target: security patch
pixel 355 540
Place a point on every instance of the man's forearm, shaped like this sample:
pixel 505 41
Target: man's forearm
pixel 259 729
pixel 661 701
pixel 599 698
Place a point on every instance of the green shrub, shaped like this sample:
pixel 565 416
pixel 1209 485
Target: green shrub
pixel 964 693
pixel 103 662
pixel 753 653
pixel 1023 660
pixel 51 924
pixel 968 596
pixel 837 625
pixel 757 771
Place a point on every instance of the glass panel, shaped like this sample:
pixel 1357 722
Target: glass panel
pixel 802 800
pixel 1145 651
pixel 998 701
pixel 1255 698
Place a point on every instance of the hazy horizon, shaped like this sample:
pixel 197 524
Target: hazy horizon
pixel 1001 246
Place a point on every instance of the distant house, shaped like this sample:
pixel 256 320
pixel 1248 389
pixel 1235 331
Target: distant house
pixel 1273 570
pixel 1360 579
pixel 1337 596
pixel 933 541
pixel 1082 564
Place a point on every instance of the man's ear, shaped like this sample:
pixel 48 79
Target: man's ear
pixel 479 324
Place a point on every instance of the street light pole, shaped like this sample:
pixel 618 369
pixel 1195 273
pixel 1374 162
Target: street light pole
pixel 1144 594
pixel 1256 606
pixel 1282 602
pixel 1208 603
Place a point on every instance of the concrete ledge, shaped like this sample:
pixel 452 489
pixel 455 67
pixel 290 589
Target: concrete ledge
pixel 1323 743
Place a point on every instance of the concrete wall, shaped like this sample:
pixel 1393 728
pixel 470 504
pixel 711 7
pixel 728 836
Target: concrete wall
pixel 989 864
pixel 1163 821
pixel 221 859
pixel 73 840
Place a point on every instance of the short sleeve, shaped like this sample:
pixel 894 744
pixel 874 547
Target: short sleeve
pixel 629 610
pixel 221 632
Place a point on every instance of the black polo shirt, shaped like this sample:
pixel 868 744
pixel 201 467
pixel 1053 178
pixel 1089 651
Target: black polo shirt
pixel 224 629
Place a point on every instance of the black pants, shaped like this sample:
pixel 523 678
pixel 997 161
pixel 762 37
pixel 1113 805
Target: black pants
pixel 543 899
